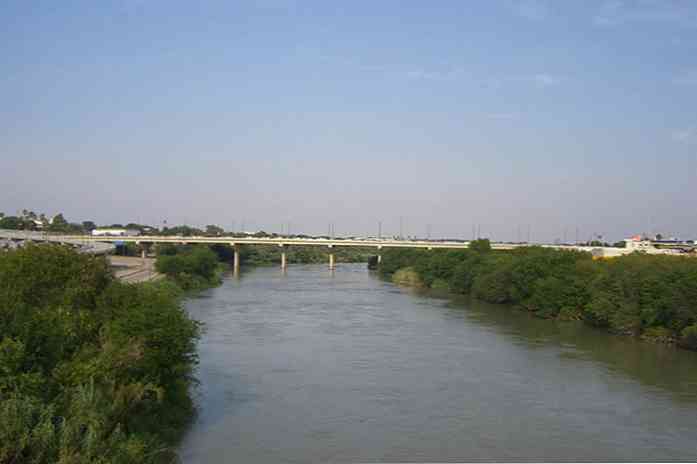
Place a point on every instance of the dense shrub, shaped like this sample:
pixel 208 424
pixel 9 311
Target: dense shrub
pixel 688 337
pixel 91 369
pixel 191 267
pixel 651 296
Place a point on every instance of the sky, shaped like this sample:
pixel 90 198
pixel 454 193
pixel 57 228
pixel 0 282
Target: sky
pixel 564 119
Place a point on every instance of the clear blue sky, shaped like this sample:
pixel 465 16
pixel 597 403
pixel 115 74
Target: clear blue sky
pixel 505 114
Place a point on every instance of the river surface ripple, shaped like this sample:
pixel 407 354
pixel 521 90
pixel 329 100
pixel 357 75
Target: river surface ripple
pixel 315 366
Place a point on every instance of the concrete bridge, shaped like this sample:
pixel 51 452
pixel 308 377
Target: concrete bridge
pixel 104 244
pixel 282 242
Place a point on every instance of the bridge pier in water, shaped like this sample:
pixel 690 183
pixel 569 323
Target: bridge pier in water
pixel 332 264
pixel 284 263
pixel 235 259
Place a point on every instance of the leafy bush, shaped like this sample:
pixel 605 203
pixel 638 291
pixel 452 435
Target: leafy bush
pixel 190 267
pixel 91 369
pixel 688 337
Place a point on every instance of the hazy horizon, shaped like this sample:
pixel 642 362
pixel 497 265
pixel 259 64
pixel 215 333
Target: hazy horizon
pixel 502 114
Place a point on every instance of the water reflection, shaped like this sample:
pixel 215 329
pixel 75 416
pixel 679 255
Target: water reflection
pixel 654 365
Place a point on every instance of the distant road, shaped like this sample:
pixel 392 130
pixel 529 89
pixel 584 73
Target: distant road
pixel 11 239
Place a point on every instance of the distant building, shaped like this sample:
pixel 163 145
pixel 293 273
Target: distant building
pixel 638 243
pixel 114 232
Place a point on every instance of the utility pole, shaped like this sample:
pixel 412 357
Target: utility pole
pixel 379 230
pixel 401 235
pixel 428 231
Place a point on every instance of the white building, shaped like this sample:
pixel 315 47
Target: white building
pixel 114 232
pixel 638 243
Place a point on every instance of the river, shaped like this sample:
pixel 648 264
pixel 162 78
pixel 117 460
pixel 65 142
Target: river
pixel 315 366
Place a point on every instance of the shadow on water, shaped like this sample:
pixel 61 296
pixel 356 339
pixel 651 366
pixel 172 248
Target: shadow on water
pixel 654 365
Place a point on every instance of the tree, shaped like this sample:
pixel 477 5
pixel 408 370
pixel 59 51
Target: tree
pixel 89 226
pixel 214 230
pixel 482 245
pixel 58 223
pixel 12 222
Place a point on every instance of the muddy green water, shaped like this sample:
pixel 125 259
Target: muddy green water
pixel 314 366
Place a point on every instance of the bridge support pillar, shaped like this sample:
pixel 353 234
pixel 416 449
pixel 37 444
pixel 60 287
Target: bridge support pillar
pixel 332 264
pixel 143 251
pixel 284 262
pixel 235 259
pixel 379 254
pixel 379 259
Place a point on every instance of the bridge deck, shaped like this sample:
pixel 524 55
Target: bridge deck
pixel 280 241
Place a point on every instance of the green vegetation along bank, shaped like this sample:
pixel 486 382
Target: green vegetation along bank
pixel 191 267
pixel 269 255
pixel 200 266
pixel 652 297
pixel 92 370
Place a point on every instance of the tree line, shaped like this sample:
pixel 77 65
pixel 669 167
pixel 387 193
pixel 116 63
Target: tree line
pixel 648 296
pixel 264 255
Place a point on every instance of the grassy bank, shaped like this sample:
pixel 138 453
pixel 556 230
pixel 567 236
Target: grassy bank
pixel 91 369
pixel 652 297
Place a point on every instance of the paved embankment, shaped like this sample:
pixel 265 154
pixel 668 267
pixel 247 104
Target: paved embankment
pixel 133 270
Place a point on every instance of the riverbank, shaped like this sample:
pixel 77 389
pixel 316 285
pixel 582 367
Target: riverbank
pixel 648 297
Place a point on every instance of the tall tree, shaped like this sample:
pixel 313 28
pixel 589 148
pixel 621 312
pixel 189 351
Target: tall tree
pixel 214 230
